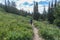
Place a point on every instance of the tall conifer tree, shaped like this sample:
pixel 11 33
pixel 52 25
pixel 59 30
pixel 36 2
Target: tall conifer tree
pixel 50 13
pixel 44 13
pixel 36 14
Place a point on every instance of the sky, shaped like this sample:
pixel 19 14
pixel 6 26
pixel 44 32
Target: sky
pixel 27 5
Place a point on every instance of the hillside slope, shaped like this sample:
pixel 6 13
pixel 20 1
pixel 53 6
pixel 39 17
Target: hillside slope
pixel 14 27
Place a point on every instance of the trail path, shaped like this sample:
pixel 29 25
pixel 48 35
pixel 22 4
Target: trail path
pixel 36 36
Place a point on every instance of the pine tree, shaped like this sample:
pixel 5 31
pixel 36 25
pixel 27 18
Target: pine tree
pixel 44 14
pixel 5 2
pixel 36 14
pixel 55 3
pixel 50 13
pixel 5 5
pixel 13 4
pixel 57 14
pixel 8 3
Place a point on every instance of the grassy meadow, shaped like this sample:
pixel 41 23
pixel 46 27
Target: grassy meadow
pixel 48 31
pixel 14 27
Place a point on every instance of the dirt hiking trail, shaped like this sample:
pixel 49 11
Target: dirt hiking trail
pixel 36 35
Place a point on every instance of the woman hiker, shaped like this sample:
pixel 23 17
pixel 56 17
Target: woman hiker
pixel 31 21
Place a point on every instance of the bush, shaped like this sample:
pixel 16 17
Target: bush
pixel 57 22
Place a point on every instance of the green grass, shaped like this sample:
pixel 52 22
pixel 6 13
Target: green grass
pixel 14 27
pixel 48 31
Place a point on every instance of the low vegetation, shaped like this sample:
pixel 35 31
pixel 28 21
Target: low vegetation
pixel 48 31
pixel 14 27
